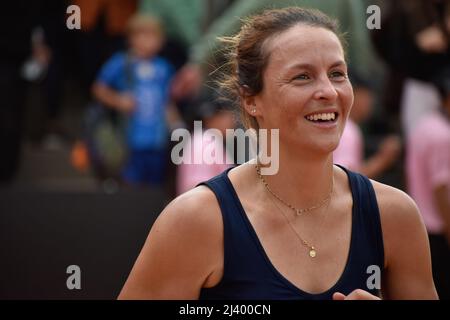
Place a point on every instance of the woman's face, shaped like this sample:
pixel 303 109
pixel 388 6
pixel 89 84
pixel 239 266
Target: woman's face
pixel 306 93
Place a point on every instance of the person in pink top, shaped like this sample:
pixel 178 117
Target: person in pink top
pixel 428 174
pixel 350 152
pixel 214 115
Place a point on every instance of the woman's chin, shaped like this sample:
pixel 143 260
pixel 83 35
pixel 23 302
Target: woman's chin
pixel 324 146
pixel 329 148
pixel 320 144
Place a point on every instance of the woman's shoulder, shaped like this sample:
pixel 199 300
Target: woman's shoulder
pixel 394 202
pixel 195 209
pixel 182 252
pixel 400 217
pixel 199 207
pixel 192 223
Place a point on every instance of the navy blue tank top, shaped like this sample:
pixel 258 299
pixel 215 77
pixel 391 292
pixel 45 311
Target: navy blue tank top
pixel 248 272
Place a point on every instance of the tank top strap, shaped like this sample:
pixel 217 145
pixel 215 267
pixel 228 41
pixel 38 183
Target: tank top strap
pixel 228 202
pixel 367 220
pixel 241 251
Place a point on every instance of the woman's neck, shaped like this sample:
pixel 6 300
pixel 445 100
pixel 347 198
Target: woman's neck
pixel 302 181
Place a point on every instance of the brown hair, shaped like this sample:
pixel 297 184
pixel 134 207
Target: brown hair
pixel 248 57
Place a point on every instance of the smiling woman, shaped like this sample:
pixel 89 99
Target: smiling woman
pixel 312 230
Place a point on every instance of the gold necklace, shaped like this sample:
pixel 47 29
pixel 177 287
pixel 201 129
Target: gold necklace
pixel 297 211
pixel 312 250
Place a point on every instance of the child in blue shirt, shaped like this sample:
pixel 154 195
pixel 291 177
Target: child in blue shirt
pixel 137 84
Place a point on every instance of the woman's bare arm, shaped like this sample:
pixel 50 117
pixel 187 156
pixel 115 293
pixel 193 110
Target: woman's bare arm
pixel 182 251
pixel 408 272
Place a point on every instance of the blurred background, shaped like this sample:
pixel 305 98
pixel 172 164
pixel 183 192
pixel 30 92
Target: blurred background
pixel 90 95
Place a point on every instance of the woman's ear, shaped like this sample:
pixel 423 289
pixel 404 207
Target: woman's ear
pixel 249 102
pixel 250 105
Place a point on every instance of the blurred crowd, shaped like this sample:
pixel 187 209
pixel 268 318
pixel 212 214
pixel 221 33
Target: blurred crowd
pixel 141 69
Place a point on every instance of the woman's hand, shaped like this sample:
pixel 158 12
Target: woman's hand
pixel 357 294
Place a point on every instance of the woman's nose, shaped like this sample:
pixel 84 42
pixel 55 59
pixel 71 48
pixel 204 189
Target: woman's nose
pixel 325 90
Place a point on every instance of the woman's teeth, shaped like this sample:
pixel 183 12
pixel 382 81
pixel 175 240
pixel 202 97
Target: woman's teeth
pixel 322 117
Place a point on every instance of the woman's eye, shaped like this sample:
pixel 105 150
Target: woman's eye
pixel 338 75
pixel 301 77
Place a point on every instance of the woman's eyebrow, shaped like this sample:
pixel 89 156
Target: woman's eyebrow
pixel 338 64
pixel 311 66
pixel 302 66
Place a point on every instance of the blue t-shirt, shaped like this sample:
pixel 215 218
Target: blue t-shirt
pixel 148 80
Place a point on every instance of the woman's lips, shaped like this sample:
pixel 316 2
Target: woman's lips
pixel 323 118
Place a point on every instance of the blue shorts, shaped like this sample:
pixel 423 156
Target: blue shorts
pixel 146 167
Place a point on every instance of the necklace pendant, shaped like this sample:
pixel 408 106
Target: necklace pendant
pixel 312 252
